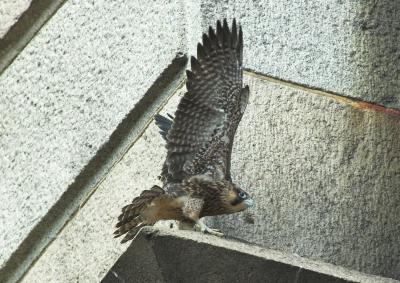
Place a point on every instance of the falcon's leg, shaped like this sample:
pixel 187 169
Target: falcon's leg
pixel 192 209
pixel 207 230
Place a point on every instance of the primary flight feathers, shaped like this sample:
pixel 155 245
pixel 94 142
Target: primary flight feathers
pixel 201 135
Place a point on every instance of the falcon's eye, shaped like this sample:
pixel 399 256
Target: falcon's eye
pixel 242 195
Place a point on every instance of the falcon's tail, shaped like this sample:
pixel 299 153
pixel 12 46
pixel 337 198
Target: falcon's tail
pixel 136 215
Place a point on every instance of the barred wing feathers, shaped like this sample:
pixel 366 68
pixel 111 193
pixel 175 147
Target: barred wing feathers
pixel 200 138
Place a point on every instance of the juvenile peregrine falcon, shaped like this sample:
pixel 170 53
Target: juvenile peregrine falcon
pixel 196 173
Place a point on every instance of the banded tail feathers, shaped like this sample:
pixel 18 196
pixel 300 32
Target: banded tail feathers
pixel 139 213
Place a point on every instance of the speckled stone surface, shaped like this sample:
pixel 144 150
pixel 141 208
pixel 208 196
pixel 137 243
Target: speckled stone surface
pixel 10 11
pixel 85 249
pixel 65 94
pixel 348 47
pixel 324 177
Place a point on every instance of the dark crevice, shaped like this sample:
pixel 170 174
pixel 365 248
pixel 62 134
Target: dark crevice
pixel 21 33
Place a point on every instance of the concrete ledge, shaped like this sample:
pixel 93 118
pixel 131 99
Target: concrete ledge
pixel 181 256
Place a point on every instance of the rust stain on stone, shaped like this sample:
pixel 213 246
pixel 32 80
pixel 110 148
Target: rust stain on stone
pixel 353 102
pixel 378 108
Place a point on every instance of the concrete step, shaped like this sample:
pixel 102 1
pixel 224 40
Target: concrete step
pixel 162 255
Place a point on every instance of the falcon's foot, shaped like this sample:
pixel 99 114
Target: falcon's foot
pixel 207 230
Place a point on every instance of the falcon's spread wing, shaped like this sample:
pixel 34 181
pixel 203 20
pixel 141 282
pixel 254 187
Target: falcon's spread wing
pixel 196 172
pixel 199 141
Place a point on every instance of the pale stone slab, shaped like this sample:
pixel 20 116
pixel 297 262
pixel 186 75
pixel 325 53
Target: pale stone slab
pixel 325 178
pixel 66 93
pixel 85 249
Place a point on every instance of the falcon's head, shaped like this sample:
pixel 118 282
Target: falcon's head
pixel 238 199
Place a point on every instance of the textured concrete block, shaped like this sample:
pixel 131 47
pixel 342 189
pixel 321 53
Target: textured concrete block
pixel 348 47
pixel 167 256
pixel 85 249
pixel 324 174
pixel 65 94
pixel 325 178
pixel 10 11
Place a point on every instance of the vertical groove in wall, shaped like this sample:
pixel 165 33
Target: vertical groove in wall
pixel 30 22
